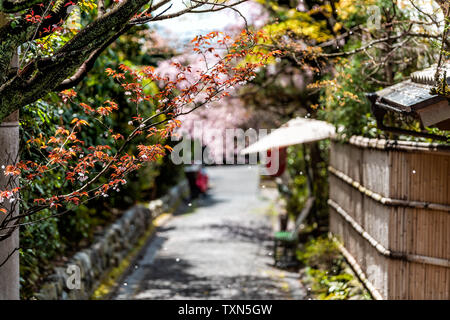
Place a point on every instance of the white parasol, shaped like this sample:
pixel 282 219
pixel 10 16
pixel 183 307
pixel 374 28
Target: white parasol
pixel 295 131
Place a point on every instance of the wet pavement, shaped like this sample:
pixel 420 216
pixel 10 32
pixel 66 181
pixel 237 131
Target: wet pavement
pixel 219 249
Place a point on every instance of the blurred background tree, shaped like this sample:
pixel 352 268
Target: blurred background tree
pixel 336 51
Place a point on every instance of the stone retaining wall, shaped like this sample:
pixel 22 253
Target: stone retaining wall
pixel 108 249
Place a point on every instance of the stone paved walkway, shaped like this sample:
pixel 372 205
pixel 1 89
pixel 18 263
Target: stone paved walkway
pixel 220 250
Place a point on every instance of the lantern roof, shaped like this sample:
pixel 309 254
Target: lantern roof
pixel 413 97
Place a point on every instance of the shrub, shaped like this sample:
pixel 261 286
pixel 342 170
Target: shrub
pixel 326 272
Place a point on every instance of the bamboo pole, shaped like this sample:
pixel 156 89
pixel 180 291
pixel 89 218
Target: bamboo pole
pixel 386 200
pixel 385 144
pixel 357 269
pixel 382 250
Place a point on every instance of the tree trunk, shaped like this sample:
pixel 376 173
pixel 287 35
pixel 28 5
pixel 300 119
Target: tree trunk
pixel 9 272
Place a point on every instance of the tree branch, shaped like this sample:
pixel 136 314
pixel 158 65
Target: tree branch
pixel 88 64
pixel 16 6
pixel 14 35
pixel 48 73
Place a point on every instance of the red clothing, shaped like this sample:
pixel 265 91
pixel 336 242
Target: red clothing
pixel 202 181
pixel 282 156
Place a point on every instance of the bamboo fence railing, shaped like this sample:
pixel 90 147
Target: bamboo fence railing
pixel 390 209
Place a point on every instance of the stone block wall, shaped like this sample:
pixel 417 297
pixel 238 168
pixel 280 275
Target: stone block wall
pixel 108 249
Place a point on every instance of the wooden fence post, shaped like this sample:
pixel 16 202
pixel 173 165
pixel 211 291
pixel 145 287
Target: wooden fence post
pixel 9 255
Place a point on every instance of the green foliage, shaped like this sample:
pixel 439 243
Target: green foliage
pixel 298 163
pixel 326 272
pixel 329 287
pixel 319 158
pixel 40 243
pixel 442 87
pixel 342 95
pixel 169 174
pixel 320 253
pixel 344 102
pixel 299 188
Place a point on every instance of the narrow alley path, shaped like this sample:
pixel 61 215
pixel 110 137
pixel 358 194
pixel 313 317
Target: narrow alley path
pixel 219 250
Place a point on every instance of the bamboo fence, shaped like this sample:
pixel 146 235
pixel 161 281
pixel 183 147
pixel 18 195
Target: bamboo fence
pixel 390 211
